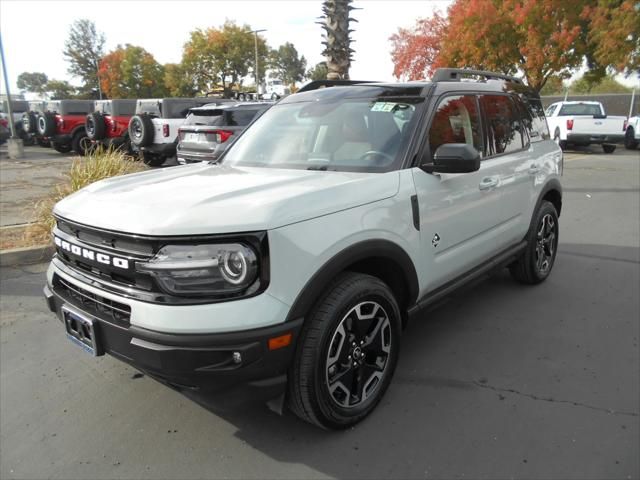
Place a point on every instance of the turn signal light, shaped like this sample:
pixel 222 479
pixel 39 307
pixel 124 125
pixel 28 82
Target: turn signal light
pixel 280 342
pixel 165 129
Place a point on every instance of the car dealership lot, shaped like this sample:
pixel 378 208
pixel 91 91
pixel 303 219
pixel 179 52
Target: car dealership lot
pixel 501 380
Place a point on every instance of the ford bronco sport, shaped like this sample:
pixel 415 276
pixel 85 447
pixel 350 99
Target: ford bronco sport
pixel 108 124
pixel 153 130
pixel 62 123
pixel 296 260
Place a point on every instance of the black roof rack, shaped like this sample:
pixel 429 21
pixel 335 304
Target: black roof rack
pixel 456 74
pixel 316 84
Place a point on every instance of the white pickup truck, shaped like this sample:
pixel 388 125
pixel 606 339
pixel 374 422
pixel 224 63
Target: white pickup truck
pixel 584 123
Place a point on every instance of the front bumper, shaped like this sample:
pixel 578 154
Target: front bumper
pixel 586 139
pixel 238 360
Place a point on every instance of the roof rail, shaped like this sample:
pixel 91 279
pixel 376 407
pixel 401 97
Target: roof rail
pixel 456 74
pixel 316 84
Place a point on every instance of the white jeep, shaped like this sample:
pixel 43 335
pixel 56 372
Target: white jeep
pixel 153 130
pixel 294 264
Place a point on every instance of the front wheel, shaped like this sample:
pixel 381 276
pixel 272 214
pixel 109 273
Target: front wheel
pixel 536 262
pixel 81 143
pixel 346 354
pixel 609 148
pixel 61 147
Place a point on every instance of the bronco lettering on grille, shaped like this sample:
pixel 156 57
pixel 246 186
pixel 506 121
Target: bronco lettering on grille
pixel 90 254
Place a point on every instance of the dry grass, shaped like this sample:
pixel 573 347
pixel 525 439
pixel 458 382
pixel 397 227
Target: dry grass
pixel 84 171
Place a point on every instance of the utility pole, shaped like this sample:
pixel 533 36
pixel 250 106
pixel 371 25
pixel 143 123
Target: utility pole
pixel 15 146
pixel 255 33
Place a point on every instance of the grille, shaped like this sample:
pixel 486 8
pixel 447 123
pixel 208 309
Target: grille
pixel 102 307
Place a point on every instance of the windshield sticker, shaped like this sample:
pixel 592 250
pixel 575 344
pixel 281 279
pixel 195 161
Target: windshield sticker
pixel 383 107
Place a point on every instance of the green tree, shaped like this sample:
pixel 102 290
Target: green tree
pixel 554 86
pixel 83 50
pixel 608 84
pixel 131 72
pixel 222 56
pixel 319 72
pixel 337 37
pixel 289 66
pixel 178 82
pixel 32 82
pixel 59 89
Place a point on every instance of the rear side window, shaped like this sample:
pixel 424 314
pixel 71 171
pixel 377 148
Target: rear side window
pixel 456 121
pixel 239 118
pixel 502 127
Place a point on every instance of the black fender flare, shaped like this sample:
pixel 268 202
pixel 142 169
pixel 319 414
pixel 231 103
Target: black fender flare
pixel 358 252
pixel 77 128
pixel 553 185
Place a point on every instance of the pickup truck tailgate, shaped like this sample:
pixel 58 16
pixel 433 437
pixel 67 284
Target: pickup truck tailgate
pixel 597 126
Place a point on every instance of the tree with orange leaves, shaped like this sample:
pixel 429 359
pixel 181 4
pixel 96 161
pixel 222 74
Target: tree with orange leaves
pixel 539 39
pixel 131 72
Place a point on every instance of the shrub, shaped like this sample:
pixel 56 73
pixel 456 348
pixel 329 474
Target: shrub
pixel 84 171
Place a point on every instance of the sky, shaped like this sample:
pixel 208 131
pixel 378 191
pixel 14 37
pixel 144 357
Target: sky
pixel 34 32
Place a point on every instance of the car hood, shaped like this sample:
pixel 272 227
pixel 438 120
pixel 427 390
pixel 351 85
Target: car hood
pixel 210 199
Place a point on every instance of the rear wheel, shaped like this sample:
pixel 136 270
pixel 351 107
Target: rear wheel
pixel 346 353
pixel 630 142
pixel 61 147
pixel 556 138
pixel 609 148
pixel 151 159
pixel 536 262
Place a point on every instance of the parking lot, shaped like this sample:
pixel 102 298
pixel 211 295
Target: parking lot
pixel 500 381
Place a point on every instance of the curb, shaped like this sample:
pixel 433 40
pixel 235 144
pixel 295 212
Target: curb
pixel 26 256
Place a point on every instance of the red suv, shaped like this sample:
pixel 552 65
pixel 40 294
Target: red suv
pixel 108 124
pixel 62 123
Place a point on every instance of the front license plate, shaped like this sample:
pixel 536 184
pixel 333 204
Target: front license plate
pixel 81 331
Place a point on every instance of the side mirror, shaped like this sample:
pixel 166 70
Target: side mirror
pixel 454 158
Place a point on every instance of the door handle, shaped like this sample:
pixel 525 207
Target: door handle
pixel 487 183
pixel 533 169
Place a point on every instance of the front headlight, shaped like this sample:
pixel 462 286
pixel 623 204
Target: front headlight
pixel 229 269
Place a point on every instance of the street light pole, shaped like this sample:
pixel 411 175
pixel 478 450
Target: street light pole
pixel 255 33
pixel 15 146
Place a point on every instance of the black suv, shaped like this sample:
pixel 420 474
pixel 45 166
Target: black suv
pixel 210 129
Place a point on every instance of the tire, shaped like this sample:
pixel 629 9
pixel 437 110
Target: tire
pixel 141 130
pixel 274 96
pixel 151 159
pixel 29 120
pixel 609 148
pixel 81 143
pixel 561 143
pixel 61 147
pixel 333 345
pixel 536 262
pixel 630 142
pixel 46 125
pixel 95 127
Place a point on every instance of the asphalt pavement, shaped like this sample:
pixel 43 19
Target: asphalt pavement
pixel 500 381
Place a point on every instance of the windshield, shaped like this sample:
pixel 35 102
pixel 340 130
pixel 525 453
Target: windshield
pixel 351 134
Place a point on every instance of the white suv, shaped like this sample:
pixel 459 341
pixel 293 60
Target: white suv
pixel 334 218
pixel 153 130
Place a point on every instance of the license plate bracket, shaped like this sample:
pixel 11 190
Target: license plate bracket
pixel 81 330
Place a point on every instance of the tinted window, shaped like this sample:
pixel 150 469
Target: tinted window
pixel 580 109
pixel 502 129
pixel 550 110
pixel 211 117
pixel 239 118
pixel 456 121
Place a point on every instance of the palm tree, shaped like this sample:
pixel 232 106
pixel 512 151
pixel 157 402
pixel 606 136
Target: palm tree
pixel 336 39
